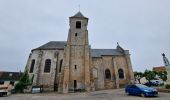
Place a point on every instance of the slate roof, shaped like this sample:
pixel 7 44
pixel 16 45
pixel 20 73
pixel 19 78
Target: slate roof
pixel 78 15
pixel 107 52
pixel 52 45
pixel 10 76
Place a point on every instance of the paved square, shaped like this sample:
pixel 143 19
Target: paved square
pixel 116 94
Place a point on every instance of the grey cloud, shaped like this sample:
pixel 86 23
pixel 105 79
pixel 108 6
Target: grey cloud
pixel 142 26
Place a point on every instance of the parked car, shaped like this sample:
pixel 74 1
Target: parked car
pixel 5 90
pixel 158 82
pixel 140 90
pixel 151 84
pixel 36 89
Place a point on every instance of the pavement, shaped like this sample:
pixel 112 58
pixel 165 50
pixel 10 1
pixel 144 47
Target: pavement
pixel 113 94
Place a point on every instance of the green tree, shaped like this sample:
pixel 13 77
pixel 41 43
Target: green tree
pixel 23 83
pixel 156 73
pixel 149 75
pixel 163 75
pixel 138 76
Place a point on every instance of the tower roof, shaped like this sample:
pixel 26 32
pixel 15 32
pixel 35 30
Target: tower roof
pixel 78 15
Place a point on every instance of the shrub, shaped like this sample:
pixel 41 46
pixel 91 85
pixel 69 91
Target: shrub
pixel 167 86
pixel 23 83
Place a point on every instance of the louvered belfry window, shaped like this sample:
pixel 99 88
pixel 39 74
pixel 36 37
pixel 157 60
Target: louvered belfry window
pixel 78 24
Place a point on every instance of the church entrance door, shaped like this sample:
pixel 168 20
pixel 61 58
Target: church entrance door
pixel 75 84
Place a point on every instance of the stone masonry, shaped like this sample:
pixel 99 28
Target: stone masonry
pixel 70 66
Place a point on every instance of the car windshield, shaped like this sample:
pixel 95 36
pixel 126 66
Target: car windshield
pixel 141 86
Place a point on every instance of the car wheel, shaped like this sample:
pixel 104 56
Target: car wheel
pixel 142 95
pixel 1 94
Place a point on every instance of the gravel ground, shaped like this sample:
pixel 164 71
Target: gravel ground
pixel 115 94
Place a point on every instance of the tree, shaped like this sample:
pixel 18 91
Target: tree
pixel 138 76
pixel 23 83
pixel 163 75
pixel 149 75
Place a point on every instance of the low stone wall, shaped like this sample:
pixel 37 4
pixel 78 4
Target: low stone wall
pixel 163 90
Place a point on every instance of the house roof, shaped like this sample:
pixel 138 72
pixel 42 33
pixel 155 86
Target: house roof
pixel 52 45
pixel 10 76
pixel 107 52
pixel 78 15
pixel 159 69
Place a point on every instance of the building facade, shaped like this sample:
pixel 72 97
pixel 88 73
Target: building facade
pixel 159 69
pixel 10 78
pixel 71 65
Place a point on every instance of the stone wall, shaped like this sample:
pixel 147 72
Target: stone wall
pixel 99 82
pixel 113 63
pixel 39 76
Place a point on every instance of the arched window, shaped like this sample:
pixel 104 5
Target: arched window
pixel 78 24
pixel 47 65
pixel 95 74
pixel 107 74
pixel 32 66
pixel 61 62
pixel 121 73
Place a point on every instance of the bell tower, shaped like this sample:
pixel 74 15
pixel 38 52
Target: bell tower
pixel 77 55
pixel 78 34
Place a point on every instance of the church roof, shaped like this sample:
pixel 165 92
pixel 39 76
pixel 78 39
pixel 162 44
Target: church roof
pixel 107 52
pixel 52 45
pixel 78 15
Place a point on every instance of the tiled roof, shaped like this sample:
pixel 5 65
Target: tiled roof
pixel 159 69
pixel 52 45
pixel 106 52
pixel 10 76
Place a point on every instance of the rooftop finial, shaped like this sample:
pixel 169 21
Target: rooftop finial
pixel 118 43
pixel 79 7
pixel 163 54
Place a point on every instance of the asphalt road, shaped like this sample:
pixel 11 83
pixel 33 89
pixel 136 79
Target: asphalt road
pixel 115 94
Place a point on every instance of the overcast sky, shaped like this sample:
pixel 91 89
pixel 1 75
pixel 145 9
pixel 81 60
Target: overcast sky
pixel 141 26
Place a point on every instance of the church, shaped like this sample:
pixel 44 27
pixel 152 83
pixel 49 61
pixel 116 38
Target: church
pixel 72 65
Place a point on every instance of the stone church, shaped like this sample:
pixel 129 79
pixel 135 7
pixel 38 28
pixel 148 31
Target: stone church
pixel 72 65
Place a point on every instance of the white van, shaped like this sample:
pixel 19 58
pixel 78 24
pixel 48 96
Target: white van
pixel 158 82
pixel 5 90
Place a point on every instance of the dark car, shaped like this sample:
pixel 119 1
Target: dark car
pixel 151 84
pixel 140 90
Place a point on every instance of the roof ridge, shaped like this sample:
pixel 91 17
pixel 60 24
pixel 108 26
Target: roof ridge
pixel 57 41
pixel 102 49
pixel 79 15
pixel 52 45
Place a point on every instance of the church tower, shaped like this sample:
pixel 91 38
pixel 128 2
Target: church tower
pixel 76 66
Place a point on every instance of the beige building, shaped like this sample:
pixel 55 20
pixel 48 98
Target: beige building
pixel 159 69
pixel 72 65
